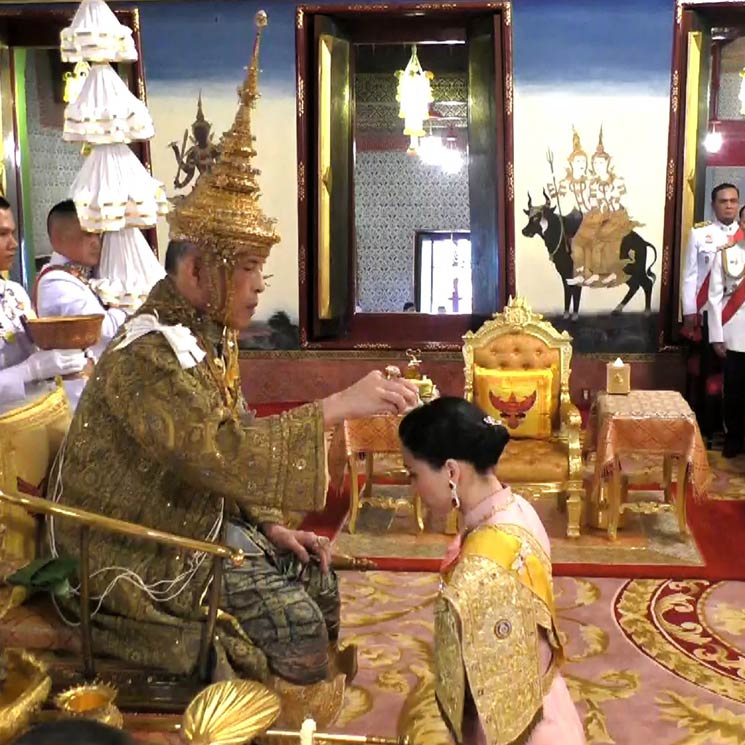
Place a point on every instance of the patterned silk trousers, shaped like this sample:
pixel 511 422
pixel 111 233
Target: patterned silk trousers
pixel 290 611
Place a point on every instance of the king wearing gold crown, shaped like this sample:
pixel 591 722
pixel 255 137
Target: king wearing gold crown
pixel 162 438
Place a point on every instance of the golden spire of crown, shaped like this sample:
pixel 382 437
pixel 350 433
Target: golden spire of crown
pixel 222 213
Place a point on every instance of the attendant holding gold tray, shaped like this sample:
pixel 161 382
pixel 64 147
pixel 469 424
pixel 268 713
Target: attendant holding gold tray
pixel 21 363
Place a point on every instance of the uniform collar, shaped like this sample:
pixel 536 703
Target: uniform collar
pixel 57 259
pixel 730 229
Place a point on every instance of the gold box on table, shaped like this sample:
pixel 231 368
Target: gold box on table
pixel 618 378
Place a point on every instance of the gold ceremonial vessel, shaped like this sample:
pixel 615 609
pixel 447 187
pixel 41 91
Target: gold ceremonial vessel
pixel 24 689
pixel 65 332
pixel 93 701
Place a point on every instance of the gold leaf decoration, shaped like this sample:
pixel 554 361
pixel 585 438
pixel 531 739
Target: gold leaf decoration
pixel 420 718
pixel 702 721
pixel 610 686
pixel 357 702
pixel 229 713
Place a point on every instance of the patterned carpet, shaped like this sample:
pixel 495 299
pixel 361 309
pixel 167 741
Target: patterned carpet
pixel 673 653
pixel 653 661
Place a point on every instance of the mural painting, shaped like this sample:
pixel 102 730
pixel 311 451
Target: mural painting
pixel 590 238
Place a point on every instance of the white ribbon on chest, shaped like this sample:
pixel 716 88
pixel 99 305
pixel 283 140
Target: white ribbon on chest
pixel 183 343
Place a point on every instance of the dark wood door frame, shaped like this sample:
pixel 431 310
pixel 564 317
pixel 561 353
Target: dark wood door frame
pixel 373 330
pixel 687 13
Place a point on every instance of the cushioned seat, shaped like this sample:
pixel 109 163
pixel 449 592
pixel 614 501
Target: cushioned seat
pixel 506 363
pixel 533 461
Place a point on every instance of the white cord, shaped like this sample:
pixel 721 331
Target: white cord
pixel 171 589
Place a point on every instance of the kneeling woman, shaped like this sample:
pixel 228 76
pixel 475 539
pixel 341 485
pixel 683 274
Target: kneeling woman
pixel 497 646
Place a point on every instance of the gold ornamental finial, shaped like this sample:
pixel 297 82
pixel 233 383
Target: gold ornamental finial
pixel 222 214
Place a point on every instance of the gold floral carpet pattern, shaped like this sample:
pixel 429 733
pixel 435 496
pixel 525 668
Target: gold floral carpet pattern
pixel 651 661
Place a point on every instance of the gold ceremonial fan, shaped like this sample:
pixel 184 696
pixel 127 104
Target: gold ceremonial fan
pixel 229 713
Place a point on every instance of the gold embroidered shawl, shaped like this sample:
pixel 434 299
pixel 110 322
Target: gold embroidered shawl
pixel 488 618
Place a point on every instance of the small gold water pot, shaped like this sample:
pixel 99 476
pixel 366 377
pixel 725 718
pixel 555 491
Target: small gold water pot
pixel 93 701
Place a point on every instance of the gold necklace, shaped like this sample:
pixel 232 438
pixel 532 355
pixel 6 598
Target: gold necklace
pixel 227 376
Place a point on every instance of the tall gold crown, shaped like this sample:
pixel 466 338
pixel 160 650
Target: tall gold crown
pixel 221 214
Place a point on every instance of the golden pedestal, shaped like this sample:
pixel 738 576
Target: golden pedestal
pixel 30 435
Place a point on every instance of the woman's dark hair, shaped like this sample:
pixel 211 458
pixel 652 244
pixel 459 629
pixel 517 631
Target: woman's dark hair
pixel 452 427
pixel 74 732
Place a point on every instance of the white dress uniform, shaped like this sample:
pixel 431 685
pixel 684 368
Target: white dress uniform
pixel 64 293
pixel 15 346
pixel 726 275
pixel 728 271
pixel 704 241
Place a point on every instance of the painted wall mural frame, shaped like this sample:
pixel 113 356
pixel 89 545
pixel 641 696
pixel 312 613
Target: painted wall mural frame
pixel 325 323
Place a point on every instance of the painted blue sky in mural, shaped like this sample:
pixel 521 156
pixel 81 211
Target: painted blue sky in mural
pixel 568 42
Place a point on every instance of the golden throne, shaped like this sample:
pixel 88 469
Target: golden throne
pixel 518 340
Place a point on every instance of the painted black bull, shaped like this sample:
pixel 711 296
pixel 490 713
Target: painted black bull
pixel 557 233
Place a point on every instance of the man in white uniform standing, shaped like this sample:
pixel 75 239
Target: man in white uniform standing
pixel 704 241
pixel 63 286
pixel 20 361
pixel 727 336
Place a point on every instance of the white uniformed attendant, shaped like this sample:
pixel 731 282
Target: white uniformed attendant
pixel 727 336
pixel 20 361
pixel 704 241
pixel 63 287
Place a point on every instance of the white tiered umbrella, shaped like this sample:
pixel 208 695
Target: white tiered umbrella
pixel 129 263
pixel 106 111
pixel 95 35
pixel 113 191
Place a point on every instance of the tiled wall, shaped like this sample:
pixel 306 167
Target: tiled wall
pixel 54 162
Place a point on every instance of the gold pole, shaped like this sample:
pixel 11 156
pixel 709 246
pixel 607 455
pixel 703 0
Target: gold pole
pixel 91 519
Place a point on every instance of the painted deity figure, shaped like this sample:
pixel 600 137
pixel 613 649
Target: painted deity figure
pixel 576 182
pixel 202 154
pixel 596 242
pixel 606 188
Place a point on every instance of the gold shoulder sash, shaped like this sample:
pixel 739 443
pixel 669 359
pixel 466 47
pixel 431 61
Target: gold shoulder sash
pixel 487 627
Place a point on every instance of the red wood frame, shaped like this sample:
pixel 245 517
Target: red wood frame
pixel 733 133
pixel 373 330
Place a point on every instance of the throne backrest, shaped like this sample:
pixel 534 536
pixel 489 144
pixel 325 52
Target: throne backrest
pixel 519 339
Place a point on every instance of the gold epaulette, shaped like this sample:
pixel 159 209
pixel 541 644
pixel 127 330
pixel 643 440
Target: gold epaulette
pixel 702 224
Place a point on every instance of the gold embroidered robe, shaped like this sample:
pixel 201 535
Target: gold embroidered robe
pixel 155 444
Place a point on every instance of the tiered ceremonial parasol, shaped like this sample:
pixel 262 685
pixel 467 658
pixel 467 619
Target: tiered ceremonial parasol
pixel 113 192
